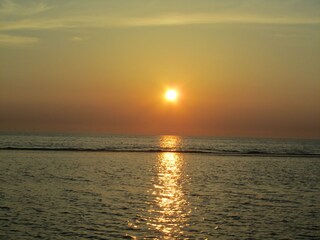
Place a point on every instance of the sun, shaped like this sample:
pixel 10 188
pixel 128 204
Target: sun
pixel 171 95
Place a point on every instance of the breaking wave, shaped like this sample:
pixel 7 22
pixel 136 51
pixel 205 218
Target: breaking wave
pixel 160 150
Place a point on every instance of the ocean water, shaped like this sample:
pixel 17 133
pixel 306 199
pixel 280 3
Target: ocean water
pixel 158 187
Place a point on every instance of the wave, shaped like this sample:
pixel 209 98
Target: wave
pixel 160 150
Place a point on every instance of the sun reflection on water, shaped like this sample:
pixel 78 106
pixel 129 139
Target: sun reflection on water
pixel 169 210
pixel 170 143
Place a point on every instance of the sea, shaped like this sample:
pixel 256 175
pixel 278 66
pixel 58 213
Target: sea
pixel 63 186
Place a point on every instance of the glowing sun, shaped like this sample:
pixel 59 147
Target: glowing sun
pixel 171 95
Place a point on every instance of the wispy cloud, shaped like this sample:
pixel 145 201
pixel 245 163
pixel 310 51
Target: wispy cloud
pixel 11 8
pixel 25 16
pixel 78 39
pixel 180 19
pixel 10 40
pixel 166 20
pixel 37 24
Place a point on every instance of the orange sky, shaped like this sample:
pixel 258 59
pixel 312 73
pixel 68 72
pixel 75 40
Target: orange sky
pixel 241 68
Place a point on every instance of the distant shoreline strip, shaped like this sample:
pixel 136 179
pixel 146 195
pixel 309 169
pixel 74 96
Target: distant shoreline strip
pixel 222 153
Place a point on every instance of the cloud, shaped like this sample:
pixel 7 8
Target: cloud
pixel 36 24
pixel 24 16
pixel 165 20
pixel 11 8
pixel 10 40
pixel 180 19
pixel 78 39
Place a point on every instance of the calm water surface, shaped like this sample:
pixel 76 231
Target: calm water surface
pixel 163 195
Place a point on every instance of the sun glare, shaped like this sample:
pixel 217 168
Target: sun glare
pixel 171 95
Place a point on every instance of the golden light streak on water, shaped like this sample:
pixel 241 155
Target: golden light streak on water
pixel 170 143
pixel 170 209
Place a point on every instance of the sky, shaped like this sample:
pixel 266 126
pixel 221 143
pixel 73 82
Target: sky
pixel 241 67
